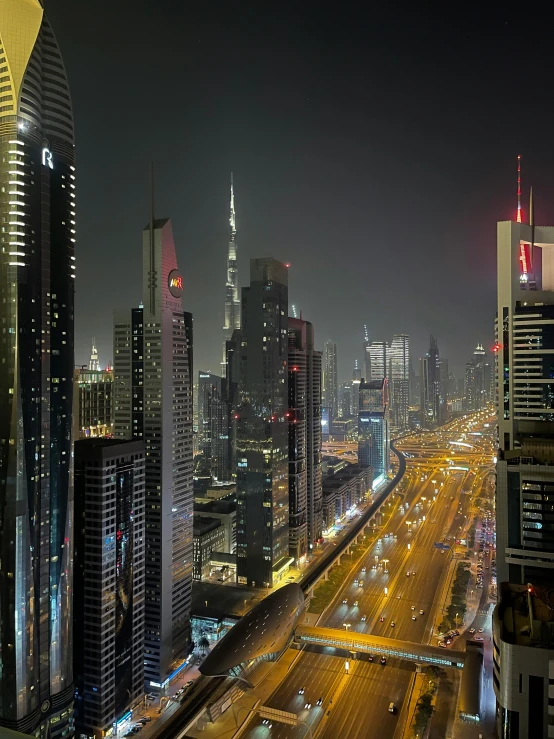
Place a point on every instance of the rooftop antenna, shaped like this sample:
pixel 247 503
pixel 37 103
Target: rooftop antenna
pixel 519 188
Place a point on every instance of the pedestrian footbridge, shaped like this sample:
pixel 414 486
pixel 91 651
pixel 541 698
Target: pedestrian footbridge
pixel 357 642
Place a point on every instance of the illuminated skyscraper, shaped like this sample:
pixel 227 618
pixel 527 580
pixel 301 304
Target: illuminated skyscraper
pixel 523 622
pixel 153 402
pixel 304 417
pixel 399 380
pixel 262 429
pixel 373 427
pixel 94 364
pixel 37 271
pixel 330 380
pixel 232 300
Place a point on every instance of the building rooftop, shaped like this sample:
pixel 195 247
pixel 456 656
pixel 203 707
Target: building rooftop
pixel 204 525
pixel 527 615
pixel 223 505
pixel 212 600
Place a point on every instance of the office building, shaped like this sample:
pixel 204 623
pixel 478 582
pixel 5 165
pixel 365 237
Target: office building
pixel 523 646
pixel 108 617
pixel 262 428
pixel 377 360
pixel 232 300
pixel 434 387
pixel 373 427
pixel 345 400
pixel 330 379
pixel 478 372
pixel 37 271
pixel 153 402
pixel 209 536
pixel 94 401
pixel 304 417
pixel 213 425
pixel 223 510
pixel 398 357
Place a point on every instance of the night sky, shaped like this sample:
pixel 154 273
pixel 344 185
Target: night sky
pixel 373 151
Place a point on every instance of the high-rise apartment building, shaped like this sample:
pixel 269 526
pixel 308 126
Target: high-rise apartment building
pixel 93 403
pixel 37 271
pixel 331 380
pixel 304 417
pixel 523 625
pixel 109 583
pixel 373 427
pixel 232 299
pixel 262 427
pixel 153 402
pixel 398 357
pixel 213 425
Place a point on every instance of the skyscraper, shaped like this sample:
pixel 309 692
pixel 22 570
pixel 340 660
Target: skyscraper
pixel 523 647
pixel 262 428
pixel 109 589
pixel 331 380
pixel 377 360
pixel 304 417
pixel 373 427
pixel 94 364
pixel 213 425
pixel 153 402
pixel 429 385
pixel 232 300
pixel 477 390
pixel 399 380
pixel 37 271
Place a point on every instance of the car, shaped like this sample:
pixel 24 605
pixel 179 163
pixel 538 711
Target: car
pixel 481 630
pixel 392 624
pixel 382 619
pixel 421 612
pixel 355 603
pixel 397 597
pixel 364 618
pixel 413 608
pixel 308 706
pixel 265 721
pixel 370 658
pixel 414 618
pixel 373 567
pixel 319 701
pixel 345 601
pixel 146 719
pixel 356 582
pixel 408 574
pixel 472 631
pixel 363 569
pixel 361 583
pixel 301 691
pixel 383 660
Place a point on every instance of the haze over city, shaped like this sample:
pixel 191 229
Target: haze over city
pixel 373 150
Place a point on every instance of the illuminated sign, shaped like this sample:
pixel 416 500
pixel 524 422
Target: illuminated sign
pixel 175 283
pixel 524 259
pixel 47 158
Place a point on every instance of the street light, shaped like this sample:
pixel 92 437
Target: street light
pixel 347 626
pixel 385 563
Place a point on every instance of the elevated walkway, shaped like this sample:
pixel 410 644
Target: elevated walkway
pixel 356 642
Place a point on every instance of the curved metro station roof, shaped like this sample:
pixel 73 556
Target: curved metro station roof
pixel 266 629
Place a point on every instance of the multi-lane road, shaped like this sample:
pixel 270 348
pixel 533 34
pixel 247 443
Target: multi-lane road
pixel 435 507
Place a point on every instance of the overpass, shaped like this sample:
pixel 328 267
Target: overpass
pixel 357 642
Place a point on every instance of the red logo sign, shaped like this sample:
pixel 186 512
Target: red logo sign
pixel 175 283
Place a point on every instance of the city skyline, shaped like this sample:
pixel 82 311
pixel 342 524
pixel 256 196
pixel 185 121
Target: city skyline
pixel 296 213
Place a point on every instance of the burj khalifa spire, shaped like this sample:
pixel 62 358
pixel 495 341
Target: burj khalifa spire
pixel 232 300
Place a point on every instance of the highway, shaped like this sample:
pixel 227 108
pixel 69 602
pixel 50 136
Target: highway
pixel 360 707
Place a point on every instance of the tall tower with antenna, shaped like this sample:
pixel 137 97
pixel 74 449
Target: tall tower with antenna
pixel 94 364
pixel 232 300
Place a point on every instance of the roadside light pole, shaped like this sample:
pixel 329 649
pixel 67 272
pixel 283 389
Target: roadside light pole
pixel 385 563
pixel 347 626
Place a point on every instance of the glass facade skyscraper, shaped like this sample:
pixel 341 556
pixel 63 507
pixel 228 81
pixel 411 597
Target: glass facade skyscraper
pixel 262 428
pixel 373 427
pixel 37 271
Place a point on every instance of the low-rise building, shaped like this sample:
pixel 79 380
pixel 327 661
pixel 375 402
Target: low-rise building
pixel 344 490
pixel 224 511
pixel 208 537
